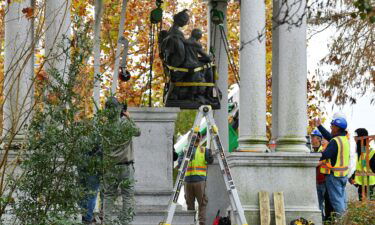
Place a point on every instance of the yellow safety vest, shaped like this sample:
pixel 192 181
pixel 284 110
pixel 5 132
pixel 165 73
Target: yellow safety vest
pixel 360 177
pixel 341 167
pixel 324 169
pixel 198 166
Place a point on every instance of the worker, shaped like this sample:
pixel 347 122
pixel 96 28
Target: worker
pixel 119 180
pixel 195 179
pixel 358 179
pixel 336 166
pixel 316 143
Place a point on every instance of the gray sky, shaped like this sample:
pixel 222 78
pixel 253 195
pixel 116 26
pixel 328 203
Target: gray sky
pixel 361 114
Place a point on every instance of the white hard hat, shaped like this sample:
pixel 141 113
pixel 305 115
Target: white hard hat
pixel 338 114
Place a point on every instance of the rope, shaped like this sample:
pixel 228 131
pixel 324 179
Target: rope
pixel 229 53
pixel 152 43
pixel 156 19
pixel 218 21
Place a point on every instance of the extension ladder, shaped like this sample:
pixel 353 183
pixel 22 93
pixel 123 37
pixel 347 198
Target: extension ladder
pixel 238 212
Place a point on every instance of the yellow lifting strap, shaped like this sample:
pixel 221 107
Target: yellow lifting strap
pixel 197 69
pixel 193 84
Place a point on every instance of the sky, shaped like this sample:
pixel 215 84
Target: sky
pixel 359 115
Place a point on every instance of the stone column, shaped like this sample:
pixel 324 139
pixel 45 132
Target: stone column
pixel 215 190
pixel 57 25
pixel 252 129
pixel 292 90
pixel 291 170
pixel 18 70
pixel 154 164
pixel 221 61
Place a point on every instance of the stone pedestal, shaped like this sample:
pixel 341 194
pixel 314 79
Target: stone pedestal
pixel 153 166
pixel 290 173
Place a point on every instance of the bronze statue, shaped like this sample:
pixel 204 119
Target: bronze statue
pixel 188 65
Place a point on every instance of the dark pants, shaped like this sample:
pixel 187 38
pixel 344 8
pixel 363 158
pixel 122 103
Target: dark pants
pixel 371 192
pixel 328 209
pixel 197 190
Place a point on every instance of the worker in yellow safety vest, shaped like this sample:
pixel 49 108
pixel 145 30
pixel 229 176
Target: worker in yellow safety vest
pixel 360 179
pixel 195 179
pixel 335 162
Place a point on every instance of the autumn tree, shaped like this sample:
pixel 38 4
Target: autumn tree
pixel 351 56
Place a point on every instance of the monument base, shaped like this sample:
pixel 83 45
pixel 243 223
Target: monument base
pixel 153 152
pixel 290 173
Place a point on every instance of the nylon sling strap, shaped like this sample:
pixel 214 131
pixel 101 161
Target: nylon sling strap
pixel 186 70
pixel 190 84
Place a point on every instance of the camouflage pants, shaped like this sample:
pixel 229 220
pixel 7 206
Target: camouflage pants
pixel 118 203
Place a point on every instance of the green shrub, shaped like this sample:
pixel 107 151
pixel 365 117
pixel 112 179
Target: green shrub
pixel 358 213
pixel 63 147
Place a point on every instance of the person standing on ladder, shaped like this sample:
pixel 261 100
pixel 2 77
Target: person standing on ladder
pixel 337 162
pixel 195 180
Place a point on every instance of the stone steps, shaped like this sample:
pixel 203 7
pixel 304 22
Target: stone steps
pixel 154 215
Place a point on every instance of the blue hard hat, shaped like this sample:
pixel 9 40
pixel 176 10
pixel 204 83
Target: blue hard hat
pixel 316 133
pixel 340 122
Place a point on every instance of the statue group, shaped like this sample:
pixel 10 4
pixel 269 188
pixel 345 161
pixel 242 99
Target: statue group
pixel 189 68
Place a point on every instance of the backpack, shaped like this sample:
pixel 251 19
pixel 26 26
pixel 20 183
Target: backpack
pixel 219 220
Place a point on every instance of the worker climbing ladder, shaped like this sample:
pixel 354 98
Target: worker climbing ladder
pixel 238 212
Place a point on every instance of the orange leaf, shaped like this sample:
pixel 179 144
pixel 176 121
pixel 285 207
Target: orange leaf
pixel 29 12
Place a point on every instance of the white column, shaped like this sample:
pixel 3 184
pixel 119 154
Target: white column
pixel 57 25
pixel 292 92
pixel 221 61
pixel 18 68
pixel 252 135
pixel 215 190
